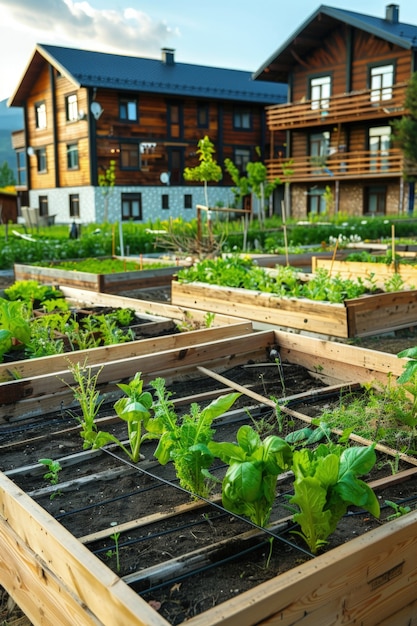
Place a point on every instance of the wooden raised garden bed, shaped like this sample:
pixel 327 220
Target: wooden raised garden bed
pixel 62 577
pixel 359 317
pixel 380 272
pixel 162 327
pixel 107 283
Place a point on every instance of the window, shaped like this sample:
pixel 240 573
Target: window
pixel 202 115
pixel 40 154
pixel 382 80
pixel 320 92
pixel 316 201
pixel 128 109
pixel 165 201
pixel 72 156
pixel 319 150
pixel 188 201
pixel 379 144
pixel 176 165
pixel 21 168
pixel 43 205
pixel 241 157
pixel 175 120
pixel 40 115
pixel 242 118
pixel 375 200
pixel 74 205
pixel 131 206
pixel 71 108
pixel 129 156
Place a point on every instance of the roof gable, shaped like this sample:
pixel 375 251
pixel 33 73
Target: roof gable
pixel 312 31
pixel 135 74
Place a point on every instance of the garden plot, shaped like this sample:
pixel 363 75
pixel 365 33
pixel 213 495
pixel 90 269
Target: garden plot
pixel 178 558
pixel 126 274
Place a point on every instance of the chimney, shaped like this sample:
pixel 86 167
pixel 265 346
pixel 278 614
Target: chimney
pixel 392 13
pixel 168 56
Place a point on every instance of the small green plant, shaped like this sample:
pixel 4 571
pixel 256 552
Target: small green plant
pixel 399 510
pixel 52 475
pixel 86 394
pixel 115 552
pixel 186 441
pixel 326 483
pixel 249 485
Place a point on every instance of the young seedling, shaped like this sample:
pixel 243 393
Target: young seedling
pixel 399 510
pixel 52 475
pixel 115 552
pixel 86 393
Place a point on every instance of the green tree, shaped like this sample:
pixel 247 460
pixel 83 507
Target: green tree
pixel 208 169
pixel 405 134
pixel 7 178
pixel 106 181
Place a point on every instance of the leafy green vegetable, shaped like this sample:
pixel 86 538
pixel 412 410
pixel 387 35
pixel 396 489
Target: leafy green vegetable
pixel 186 441
pixel 249 485
pixel 326 483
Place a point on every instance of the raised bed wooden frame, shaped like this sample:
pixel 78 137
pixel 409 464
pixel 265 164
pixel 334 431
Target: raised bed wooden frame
pixel 106 283
pixel 359 317
pixel 380 272
pixel 369 580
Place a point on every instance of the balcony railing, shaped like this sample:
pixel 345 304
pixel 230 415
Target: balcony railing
pixel 346 165
pixel 354 106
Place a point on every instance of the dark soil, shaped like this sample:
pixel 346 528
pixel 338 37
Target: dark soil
pixel 97 491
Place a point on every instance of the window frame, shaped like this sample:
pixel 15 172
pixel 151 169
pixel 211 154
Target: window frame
pixel 129 106
pixel 242 118
pixel 131 151
pixel 239 160
pixel 40 115
pixel 203 114
pixel 73 155
pixel 128 199
pixel 74 205
pixel 71 107
pixel 322 84
pixel 379 88
pixel 41 160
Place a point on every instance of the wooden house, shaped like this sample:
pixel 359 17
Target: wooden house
pixel 85 109
pixel 347 75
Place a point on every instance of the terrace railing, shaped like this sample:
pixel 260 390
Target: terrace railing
pixel 354 106
pixel 347 165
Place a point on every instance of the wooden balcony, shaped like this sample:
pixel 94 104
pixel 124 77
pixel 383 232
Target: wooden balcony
pixel 340 166
pixel 351 107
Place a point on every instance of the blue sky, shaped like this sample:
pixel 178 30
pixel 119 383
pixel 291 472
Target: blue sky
pixel 238 34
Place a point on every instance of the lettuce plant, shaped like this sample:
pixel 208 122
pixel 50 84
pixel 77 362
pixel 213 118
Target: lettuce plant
pixel 326 483
pixel 249 485
pixel 186 441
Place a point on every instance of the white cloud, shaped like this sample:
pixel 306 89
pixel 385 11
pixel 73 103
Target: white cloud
pixel 74 24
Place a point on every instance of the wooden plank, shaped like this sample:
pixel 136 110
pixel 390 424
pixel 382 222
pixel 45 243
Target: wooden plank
pixel 58 362
pixel 27 397
pixel 298 313
pixel 381 272
pixel 359 582
pixel 338 360
pixel 35 586
pixel 45 545
pixel 146 306
pixel 111 283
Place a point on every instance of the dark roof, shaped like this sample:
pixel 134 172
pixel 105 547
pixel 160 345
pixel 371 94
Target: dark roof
pixel 127 73
pixel 311 33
